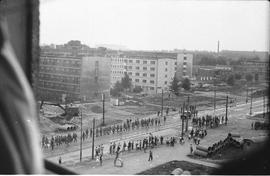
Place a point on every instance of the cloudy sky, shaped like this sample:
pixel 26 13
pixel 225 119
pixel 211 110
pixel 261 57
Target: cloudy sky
pixel 157 24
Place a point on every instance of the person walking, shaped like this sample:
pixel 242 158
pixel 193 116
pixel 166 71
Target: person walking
pixel 100 159
pixel 116 157
pixel 60 160
pixel 191 149
pixel 150 156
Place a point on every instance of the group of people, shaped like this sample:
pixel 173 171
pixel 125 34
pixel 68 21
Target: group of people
pixel 128 125
pixel 210 121
pixel 58 140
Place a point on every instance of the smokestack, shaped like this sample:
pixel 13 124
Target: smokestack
pixel 218 47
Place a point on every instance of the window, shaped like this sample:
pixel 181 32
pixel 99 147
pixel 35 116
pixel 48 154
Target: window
pixel 166 76
pixel 137 68
pixel 137 74
pixel 130 73
pixel 184 63
pixel 144 68
pixel 152 75
pixel 144 74
pixel 144 62
pixel 144 81
pixel 185 58
pixel 137 80
pixel 166 69
pixel 166 63
pixel 152 68
pixel 152 82
pixel 175 63
pixel 152 88
pixel 130 67
pixel 137 61
pixel 152 62
pixel 130 61
pixel 165 82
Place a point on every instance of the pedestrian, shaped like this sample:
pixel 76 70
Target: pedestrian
pixel 116 157
pixel 191 149
pixel 150 156
pixel 60 160
pixel 100 159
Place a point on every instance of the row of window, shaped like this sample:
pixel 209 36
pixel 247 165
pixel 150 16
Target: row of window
pixel 143 62
pixel 144 81
pixel 119 66
pixel 59 86
pixel 143 68
pixel 61 61
pixel 60 70
pixel 58 78
pixel 143 74
pixel 118 71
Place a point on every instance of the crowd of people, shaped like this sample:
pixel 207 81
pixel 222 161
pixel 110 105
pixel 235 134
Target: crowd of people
pixel 58 140
pixel 128 125
pixel 209 121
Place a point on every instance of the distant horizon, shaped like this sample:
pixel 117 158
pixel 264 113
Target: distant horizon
pixel 100 45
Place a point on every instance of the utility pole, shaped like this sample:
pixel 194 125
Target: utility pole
pixel 103 110
pixel 93 139
pixel 81 139
pixel 263 106
pixel 183 119
pixel 247 96
pixel 188 114
pixel 214 100
pixel 162 103
pixel 250 112
pixel 227 99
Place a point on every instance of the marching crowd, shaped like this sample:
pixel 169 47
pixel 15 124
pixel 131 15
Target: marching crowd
pixel 210 121
pixel 128 125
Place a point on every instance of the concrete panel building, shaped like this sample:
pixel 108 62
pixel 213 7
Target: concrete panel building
pixel 59 78
pixel 184 66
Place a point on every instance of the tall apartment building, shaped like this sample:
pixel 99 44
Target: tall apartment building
pixel 59 78
pixel 149 70
pixel 184 65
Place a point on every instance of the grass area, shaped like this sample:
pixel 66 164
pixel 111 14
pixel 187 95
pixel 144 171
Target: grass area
pixel 167 168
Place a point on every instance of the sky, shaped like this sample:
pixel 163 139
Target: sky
pixel 157 24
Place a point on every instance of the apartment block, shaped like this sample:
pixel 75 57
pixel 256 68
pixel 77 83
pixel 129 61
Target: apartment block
pixel 184 65
pixel 59 78
pixel 149 70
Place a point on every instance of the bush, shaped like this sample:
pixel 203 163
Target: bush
pixel 137 89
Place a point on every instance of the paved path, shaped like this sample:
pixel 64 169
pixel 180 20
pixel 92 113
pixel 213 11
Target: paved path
pixel 137 162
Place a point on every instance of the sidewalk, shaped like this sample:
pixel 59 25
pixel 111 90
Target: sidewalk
pixel 137 162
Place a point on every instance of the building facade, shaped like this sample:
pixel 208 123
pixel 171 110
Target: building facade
pixel 96 76
pixel 152 71
pixel 207 74
pixel 258 69
pixel 184 66
pixel 59 78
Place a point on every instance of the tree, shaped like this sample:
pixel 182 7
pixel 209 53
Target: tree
pixel 249 77
pixel 174 87
pixel 126 82
pixel 186 84
pixel 237 76
pixel 230 80
pixel 115 91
